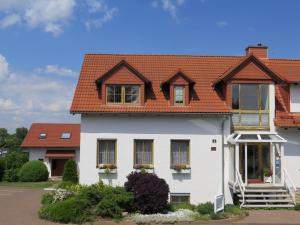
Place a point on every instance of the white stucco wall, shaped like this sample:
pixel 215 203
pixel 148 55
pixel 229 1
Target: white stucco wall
pixel 295 98
pixel 205 180
pixel 292 153
pixel 36 154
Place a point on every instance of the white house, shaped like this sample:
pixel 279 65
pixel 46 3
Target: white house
pixel 208 125
pixel 53 144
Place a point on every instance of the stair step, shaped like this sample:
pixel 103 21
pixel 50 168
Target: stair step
pixel 268 200
pixel 264 190
pixel 265 195
pixel 268 206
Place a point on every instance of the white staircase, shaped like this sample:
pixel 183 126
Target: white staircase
pixel 265 196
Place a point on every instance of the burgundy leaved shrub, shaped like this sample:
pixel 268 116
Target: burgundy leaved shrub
pixel 150 192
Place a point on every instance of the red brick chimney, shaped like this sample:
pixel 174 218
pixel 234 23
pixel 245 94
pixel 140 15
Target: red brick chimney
pixel 259 50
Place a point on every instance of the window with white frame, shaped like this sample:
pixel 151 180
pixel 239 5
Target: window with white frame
pixel 179 95
pixel 106 152
pixel 180 152
pixel 143 152
pixel 65 135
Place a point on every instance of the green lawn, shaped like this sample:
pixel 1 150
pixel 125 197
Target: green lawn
pixel 44 184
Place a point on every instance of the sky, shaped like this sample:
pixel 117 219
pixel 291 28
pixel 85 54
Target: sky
pixel 43 42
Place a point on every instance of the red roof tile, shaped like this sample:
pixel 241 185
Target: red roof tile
pixel 285 119
pixel 203 70
pixel 53 136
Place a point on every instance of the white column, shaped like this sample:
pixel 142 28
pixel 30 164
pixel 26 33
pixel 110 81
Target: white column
pixel 246 164
pixel 282 161
pixel 273 162
pixel 237 159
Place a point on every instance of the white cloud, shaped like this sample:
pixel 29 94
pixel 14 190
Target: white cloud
pixel 10 20
pixel 28 97
pixel 4 72
pixel 222 23
pixel 169 6
pixel 6 104
pixel 100 13
pixel 57 70
pixel 53 15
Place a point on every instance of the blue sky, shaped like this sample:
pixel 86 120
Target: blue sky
pixel 42 42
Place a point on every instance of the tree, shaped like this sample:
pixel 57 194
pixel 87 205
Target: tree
pixel 70 171
pixel 21 133
pixel 3 136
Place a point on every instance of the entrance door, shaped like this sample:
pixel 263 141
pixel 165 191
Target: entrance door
pixel 57 167
pixel 253 162
pixel 258 159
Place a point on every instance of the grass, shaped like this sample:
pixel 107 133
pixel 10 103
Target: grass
pixel 44 184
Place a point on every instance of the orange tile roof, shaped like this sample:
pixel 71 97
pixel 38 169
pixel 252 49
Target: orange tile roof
pixel 53 132
pixel 204 70
pixel 285 119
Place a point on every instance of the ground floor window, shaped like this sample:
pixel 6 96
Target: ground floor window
pixel 106 152
pixel 179 198
pixel 180 152
pixel 143 152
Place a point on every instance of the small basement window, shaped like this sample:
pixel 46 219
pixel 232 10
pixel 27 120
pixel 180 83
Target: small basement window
pixel 65 135
pixel 42 135
pixel 179 198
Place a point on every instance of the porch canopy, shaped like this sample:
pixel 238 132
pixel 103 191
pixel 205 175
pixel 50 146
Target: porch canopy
pixel 253 138
pixel 60 154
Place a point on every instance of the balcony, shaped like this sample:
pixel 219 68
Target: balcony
pixel 251 119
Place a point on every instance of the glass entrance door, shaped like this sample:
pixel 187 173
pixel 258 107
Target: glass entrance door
pixel 258 161
pixel 253 162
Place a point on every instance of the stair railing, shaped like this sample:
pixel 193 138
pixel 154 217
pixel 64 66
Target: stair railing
pixel 289 185
pixel 240 184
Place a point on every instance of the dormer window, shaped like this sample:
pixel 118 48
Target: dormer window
pixel 123 94
pixel 42 136
pixel 179 95
pixel 65 135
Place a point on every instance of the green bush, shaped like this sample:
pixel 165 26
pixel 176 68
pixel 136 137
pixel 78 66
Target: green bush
pixel 2 168
pixel 205 208
pixel 70 171
pixel 123 198
pixel 230 208
pixel 175 207
pixel 47 199
pixel 217 216
pixel 93 193
pixel 72 210
pixel 108 207
pixel 34 171
pixel 11 175
pixel 297 207
pixel 15 159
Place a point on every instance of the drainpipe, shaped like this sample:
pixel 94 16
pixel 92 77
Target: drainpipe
pixel 223 156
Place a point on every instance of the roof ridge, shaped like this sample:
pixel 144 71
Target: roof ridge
pixel 277 59
pixel 47 123
pixel 176 55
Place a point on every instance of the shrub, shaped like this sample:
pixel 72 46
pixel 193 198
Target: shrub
pixel 230 208
pixel 15 159
pixel 217 216
pixel 297 207
pixel 93 193
pixel 205 208
pixel 47 199
pixel 176 207
pixel 74 210
pixel 11 175
pixel 2 168
pixel 61 195
pixel 150 192
pixel 34 171
pixel 108 207
pixel 70 171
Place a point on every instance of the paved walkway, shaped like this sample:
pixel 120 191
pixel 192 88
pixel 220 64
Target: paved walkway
pixel 19 206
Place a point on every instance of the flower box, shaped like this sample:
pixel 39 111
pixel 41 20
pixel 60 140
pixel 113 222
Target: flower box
pixel 107 169
pixel 181 169
pixel 144 168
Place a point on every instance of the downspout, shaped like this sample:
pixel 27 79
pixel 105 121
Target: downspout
pixel 223 156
